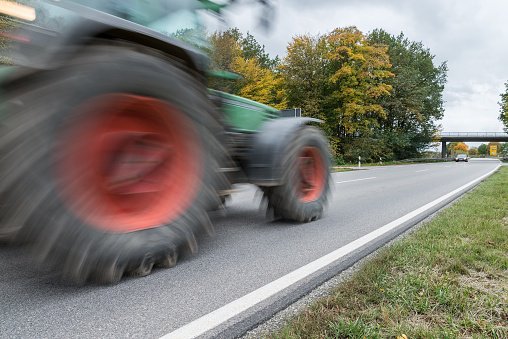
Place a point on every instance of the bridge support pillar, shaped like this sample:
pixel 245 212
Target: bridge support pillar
pixel 443 149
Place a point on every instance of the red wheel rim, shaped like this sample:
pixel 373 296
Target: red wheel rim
pixel 312 174
pixel 129 163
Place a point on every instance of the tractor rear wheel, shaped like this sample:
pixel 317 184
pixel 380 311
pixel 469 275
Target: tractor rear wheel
pixel 306 178
pixel 111 166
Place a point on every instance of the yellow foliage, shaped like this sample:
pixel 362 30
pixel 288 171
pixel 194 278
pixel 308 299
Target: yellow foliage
pixel 359 79
pixel 260 84
pixel 461 147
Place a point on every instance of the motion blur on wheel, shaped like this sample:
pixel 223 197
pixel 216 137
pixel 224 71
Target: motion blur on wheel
pixel 113 152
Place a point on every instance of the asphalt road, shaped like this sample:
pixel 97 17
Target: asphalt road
pixel 246 253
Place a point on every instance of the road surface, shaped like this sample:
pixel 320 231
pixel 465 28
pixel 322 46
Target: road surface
pixel 244 255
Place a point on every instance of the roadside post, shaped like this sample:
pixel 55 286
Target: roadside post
pixel 359 161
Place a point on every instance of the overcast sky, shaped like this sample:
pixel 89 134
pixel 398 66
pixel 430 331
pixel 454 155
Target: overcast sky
pixel 471 35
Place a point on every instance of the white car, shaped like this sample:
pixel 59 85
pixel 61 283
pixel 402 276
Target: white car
pixel 461 157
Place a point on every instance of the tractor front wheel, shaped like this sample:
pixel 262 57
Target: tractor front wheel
pixel 110 165
pixel 305 187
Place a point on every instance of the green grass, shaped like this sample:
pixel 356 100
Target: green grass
pixel 449 279
pixel 341 169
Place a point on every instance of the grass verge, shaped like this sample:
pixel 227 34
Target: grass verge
pixel 341 169
pixel 448 279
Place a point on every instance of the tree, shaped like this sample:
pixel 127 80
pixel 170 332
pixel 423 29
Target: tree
pixel 450 148
pixel 338 77
pixel 416 100
pixel 251 49
pixel 473 151
pixel 224 49
pixel 504 149
pixel 461 148
pixel 503 116
pixel 358 81
pixel 305 74
pixel 231 51
pixel 259 83
pixel 482 149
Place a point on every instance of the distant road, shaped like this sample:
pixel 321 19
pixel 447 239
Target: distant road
pixel 247 254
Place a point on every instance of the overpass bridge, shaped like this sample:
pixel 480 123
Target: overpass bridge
pixel 445 137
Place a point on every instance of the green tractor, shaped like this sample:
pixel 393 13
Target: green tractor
pixel 113 151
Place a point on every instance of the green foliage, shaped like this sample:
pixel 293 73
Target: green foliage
pixel 504 149
pixel 380 88
pixel 379 95
pixel 482 149
pixel 503 116
pixel 224 49
pixel 305 72
pixel 251 49
pixel 446 280
pixel 339 78
pixel 473 151
pixel 416 102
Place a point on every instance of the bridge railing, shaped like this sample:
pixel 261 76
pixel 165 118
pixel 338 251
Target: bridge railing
pixel 473 134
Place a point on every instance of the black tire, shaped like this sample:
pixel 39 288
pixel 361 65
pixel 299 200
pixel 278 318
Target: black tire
pixel 285 200
pixel 36 211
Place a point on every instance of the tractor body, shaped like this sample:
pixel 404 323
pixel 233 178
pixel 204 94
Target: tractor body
pixel 113 150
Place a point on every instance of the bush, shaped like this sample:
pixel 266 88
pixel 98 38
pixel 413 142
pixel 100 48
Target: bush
pixel 339 161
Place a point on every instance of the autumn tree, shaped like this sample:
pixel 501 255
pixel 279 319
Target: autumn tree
pixel 416 100
pixel 450 148
pixel 359 72
pixel 461 148
pixel 259 83
pixel 232 51
pixel 503 116
pixel 339 77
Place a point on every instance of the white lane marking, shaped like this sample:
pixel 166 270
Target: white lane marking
pixel 425 170
pixel 447 166
pixel 215 318
pixel 343 182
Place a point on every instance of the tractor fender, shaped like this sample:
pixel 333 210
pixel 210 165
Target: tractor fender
pixel 264 163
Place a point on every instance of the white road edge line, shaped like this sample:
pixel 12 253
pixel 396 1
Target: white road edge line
pixel 343 182
pixel 425 170
pixel 215 318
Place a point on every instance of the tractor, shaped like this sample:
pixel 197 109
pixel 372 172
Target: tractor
pixel 113 150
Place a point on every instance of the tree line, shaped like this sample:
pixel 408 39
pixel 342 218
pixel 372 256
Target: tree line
pixel 503 116
pixel 379 95
pixel 454 148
